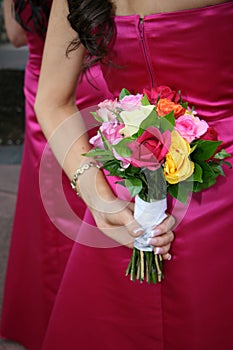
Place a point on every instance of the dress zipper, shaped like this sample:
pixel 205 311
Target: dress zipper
pixel 147 59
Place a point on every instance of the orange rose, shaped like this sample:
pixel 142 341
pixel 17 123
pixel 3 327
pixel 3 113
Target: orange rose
pixel 166 106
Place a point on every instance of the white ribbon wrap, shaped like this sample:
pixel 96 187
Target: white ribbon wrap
pixel 148 215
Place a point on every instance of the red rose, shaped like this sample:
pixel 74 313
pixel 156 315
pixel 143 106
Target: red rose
pixel 161 92
pixel 212 135
pixel 150 149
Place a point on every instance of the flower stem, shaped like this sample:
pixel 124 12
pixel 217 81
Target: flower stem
pixel 145 266
pixel 157 263
pixel 127 272
pixel 147 255
pixel 134 265
pixel 142 274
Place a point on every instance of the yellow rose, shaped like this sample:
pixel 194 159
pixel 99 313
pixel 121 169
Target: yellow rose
pixel 133 119
pixel 178 167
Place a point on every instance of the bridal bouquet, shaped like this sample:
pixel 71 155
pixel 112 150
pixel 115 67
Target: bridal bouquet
pixel 155 144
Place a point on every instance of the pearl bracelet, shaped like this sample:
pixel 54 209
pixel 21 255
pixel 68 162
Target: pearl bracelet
pixel 79 172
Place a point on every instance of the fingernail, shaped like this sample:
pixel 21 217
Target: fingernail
pixel 158 250
pixel 169 257
pixel 151 241
pixel 155 232
pixel 139 229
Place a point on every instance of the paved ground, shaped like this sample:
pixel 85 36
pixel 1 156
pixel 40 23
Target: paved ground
pixel 10 159
pixel 7 345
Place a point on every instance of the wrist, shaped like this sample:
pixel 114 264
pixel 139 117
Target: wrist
pixel 91 185
pixel 80 171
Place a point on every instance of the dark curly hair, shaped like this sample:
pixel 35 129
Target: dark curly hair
pixel 91 19
pixel 93 22
pixel 36 19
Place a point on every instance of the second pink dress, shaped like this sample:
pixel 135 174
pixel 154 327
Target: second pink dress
pixel 39 249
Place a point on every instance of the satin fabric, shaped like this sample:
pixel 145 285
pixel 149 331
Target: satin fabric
pixel 97 306
pixel 39 249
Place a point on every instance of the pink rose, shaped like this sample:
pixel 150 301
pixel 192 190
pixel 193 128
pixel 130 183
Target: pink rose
pixel 150 149
pixel 111 131
pixel 107 110
pixel 190 127
pixel 131 102
pixel 161 92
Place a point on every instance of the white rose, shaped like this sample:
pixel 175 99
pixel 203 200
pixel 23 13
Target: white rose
pixel 133 119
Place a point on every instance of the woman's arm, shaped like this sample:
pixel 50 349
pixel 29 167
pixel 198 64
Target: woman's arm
pixel 64 128
pixel 15 32
pixel 55 101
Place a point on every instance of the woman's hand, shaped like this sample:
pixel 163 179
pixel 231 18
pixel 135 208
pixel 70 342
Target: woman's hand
pixel 119 224
pixel 115 217
pixel 163 237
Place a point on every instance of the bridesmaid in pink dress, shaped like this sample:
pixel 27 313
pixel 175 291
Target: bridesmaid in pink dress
pixel 39 251
pixel 97 306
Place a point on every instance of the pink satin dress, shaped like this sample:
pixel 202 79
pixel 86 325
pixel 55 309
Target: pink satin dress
pixel 97 306
pixel 39 249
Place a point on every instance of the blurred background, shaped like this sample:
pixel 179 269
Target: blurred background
pixel 12 65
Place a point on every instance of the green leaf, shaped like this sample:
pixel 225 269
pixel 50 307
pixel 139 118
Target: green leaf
pixel 145 101
pixel 122 147
pixel 222 154
pixel 209 177
pixel 114 168
pixel 180 191
pixel 204 149
pixel 133 171
pixel 107 145
pixel 99 119
pixel 98 152
pixel 217 168
pixel 197 175
pixel 101 155
pixel 103 159
pixel 124 92
pixel 227 163
pixel 192 147
pixel 151 120
pixel 134 186
pixel 167 122
pixel 184 105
